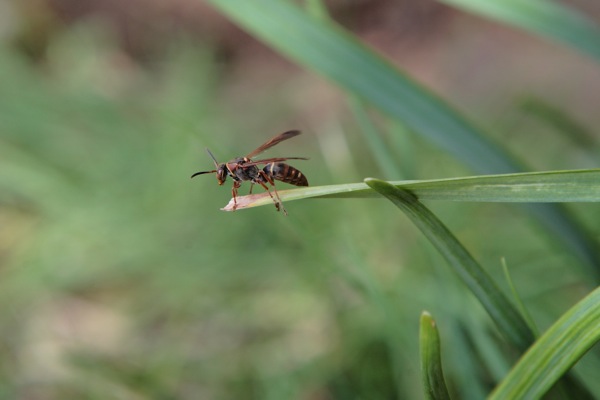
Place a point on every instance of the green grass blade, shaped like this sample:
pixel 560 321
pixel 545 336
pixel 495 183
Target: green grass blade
pixel 543 17
pixel 517 299
pixel 385 160
pixel 329 50
pixel 529 187
pixel 559 120
pixel 431 362
pixel 317 9
pixel 506 317
pixel 554 353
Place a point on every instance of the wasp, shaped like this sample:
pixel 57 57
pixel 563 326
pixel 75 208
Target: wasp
pixel 243 169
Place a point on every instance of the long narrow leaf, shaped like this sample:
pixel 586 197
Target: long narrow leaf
pixel 543 17
pixel 531 187
pixel 502 312
pixel 554 353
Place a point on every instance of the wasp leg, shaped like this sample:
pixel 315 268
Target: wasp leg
pixel 234 192
pixel 278 203
pixel 251 186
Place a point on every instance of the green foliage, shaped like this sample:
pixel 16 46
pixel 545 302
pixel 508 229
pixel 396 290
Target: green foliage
pixel 120 279
pixel 332 52
pixel 509 321
pixel 561 346
pixel 577 333
pixel 321 46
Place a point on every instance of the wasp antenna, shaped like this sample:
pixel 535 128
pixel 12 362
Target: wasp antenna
pixel 213 157
pixel 203 172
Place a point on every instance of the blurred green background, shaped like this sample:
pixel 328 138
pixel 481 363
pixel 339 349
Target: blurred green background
pixel 121 279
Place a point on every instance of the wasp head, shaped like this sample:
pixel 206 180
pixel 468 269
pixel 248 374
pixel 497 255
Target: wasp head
pixel 221 173
pixel 221 170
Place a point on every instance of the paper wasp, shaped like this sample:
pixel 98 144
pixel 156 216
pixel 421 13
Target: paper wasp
pixel 245 169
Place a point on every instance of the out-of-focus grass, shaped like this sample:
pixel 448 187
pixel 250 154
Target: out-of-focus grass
pixel 121 279
pixel 120 275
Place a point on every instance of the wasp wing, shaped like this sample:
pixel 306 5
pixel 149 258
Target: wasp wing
pixel 273 141
pixel 271 160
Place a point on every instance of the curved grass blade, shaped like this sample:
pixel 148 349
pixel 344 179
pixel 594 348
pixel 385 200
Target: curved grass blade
pixel 506 317
pixel 556 351
pixel 528 187
pixel 431 362
pixel 547 18
pixel 517 299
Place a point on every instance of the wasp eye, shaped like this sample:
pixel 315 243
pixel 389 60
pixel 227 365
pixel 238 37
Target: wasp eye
pixel 221 176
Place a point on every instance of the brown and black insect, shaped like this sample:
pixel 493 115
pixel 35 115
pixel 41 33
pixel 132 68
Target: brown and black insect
pixel 245 169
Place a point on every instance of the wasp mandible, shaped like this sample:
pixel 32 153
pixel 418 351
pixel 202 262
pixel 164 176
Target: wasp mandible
pixel 245 169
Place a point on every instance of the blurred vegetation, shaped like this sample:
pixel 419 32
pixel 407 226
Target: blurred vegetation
pixel 120 279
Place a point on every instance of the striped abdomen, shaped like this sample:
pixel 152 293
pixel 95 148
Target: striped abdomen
pixel 285 173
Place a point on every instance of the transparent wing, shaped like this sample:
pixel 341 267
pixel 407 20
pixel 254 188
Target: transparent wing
pixel 274 159
pixel 273 141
